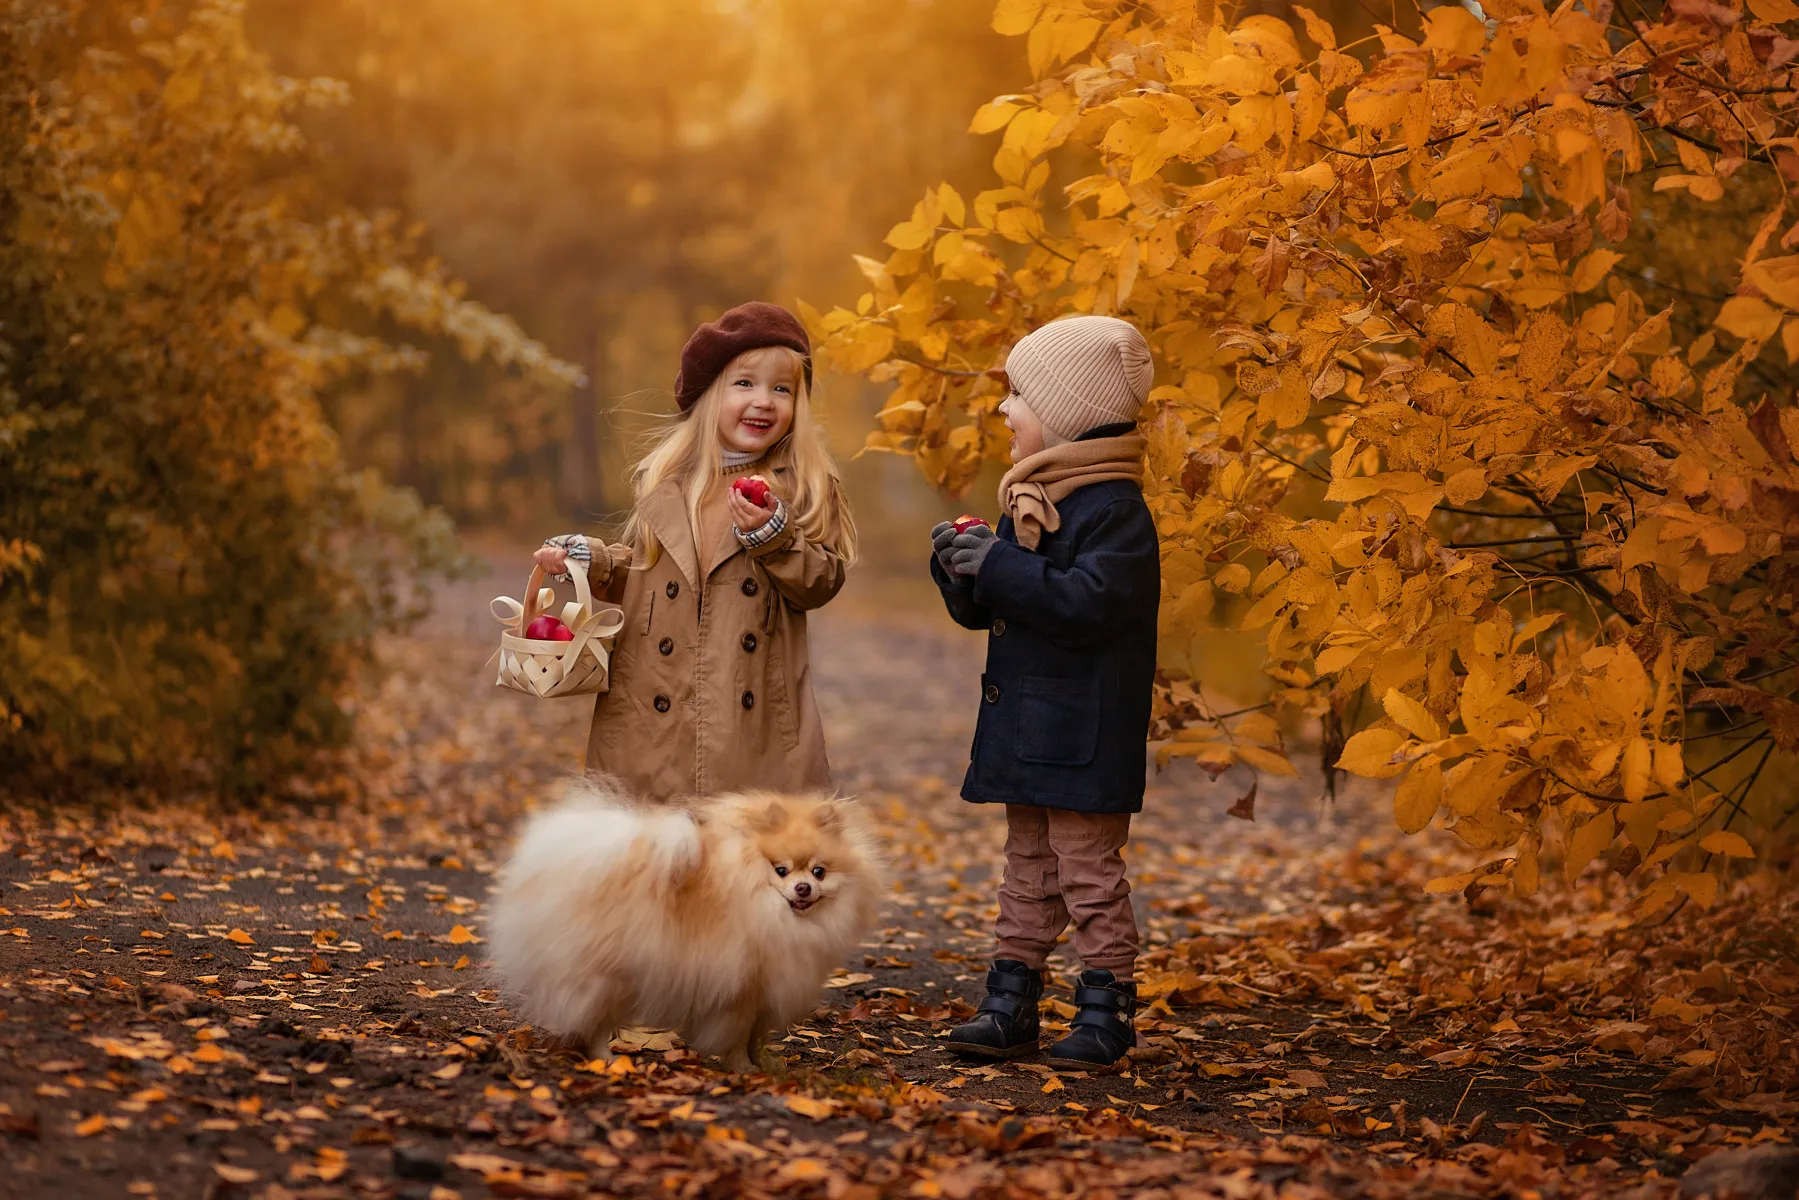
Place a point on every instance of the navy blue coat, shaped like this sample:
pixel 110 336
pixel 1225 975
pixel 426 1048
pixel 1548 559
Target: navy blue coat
pixel 1071 656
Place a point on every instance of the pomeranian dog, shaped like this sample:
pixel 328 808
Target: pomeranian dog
pixel 720 920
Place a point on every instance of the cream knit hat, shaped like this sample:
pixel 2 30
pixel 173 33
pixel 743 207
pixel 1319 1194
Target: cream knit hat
pixel 1082 372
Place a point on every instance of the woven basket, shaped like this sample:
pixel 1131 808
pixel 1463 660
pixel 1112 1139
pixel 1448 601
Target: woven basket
pixel 551 669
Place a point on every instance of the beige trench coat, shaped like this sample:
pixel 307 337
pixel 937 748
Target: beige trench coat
pixel 711 684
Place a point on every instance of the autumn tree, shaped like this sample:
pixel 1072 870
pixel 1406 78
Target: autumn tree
pixel 190 577
pixel 1472 343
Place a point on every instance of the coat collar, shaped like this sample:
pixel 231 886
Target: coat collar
pixel 665 512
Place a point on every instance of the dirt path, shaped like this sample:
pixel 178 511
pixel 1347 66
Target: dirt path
pixel 195 1008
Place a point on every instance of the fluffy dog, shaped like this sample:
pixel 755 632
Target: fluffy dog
pixel 720 921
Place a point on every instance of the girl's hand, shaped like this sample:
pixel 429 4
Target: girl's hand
pixel 746 516
pixel 553 560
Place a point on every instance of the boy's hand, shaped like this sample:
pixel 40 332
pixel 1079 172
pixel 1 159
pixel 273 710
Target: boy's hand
pixel 968 550
pixel 942 534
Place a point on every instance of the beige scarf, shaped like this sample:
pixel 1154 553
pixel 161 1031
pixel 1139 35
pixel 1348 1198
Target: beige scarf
pixel 1030 490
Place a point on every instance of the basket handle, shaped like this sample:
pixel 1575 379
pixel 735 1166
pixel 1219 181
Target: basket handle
pixel 534 604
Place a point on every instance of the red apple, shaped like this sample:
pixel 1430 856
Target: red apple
pixel 753 490
pixel 548 629
pixel 967 521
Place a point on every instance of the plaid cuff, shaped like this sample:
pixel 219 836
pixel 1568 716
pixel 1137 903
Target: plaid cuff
pixel 770 530
pixel 576 547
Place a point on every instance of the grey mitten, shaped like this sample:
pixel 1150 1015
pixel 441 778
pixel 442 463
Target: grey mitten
pixel 968 550
pixel 942 534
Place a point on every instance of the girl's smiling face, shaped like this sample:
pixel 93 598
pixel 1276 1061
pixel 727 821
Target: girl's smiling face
pixel 755 408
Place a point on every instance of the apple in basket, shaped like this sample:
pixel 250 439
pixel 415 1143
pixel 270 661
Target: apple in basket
pixel 967 521
pixel 548 629
pixel 753 490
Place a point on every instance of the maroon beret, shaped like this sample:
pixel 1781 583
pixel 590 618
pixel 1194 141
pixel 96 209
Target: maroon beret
pixel 747 327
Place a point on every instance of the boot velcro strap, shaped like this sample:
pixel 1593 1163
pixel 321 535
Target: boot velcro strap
pixel 1008 981
pixel 1103 998
pixel 1006 1006
pixel 1105 1022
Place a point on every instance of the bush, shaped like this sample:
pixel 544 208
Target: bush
pixel 1466 338
pixel 190 578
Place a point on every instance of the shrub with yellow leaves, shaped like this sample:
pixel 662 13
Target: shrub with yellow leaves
pixel 1468 395
pixel 191 578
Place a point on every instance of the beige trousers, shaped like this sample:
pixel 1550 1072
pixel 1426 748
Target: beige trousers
pixel 1062 867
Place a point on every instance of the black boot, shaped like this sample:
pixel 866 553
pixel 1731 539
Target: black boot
pixel 1005 1024
pixel 1100 1033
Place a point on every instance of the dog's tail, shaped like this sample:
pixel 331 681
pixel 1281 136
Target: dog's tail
pixel 594 833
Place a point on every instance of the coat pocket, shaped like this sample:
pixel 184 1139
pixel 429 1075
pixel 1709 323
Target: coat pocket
pixel 1058 722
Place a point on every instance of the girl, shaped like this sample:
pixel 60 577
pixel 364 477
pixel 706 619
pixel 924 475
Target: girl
pixel 711 690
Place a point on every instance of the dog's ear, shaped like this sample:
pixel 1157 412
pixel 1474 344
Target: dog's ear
pixel 830 813
pixel 767 816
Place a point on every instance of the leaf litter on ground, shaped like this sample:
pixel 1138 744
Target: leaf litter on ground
pixel 292 1002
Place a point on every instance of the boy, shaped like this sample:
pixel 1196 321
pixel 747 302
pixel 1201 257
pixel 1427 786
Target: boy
pixel 1068 590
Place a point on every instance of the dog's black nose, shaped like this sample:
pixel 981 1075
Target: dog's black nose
pixel 802 890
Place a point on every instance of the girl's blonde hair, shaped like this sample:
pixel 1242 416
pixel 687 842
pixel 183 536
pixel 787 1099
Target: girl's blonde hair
pixel 690 453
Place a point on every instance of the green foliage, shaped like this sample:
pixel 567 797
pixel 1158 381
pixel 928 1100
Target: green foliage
pixel 190 577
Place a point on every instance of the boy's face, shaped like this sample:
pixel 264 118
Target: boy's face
pixel 1027 430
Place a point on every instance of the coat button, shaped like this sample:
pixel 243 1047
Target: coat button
pixel 674 589
pixel 990 693
pixel 661 703
pixel 749 643
pixel 667 646
pixel 999 628
pixel 749 587
pixel 749 699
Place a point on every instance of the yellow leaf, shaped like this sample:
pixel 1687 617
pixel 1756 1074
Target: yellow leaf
pixel 1239 75
pixel 1419 795
pixel 1700 885
pixel 1412 716
pixel 450 1071
pixel 1013 17
pixel 1525 875
pixel 1592 270
pixel 1465 486
pixel 802 1170
pixel 1727 843
pixel 1749 317
pixel 954 207
pixel 208 1052
pixel 1670 765
pixel 1370 754
pixel 908 235
pixel 223 849
pixel 241 938
pixel 995 115
pixel 231 1174
pixel 1634 770
pixel 1453 31
pixel 1232 577
pixel 1052 1084
pixel 1774 10
pixel 806 1106
pixel 1588 841
pixel 91 1126
pixel 460 935
pixel 1262 759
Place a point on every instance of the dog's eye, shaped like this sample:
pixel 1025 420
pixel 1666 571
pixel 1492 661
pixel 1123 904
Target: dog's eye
pixel 818 872
pixel 781 871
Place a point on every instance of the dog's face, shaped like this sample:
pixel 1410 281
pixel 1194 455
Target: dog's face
pixel 803 843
